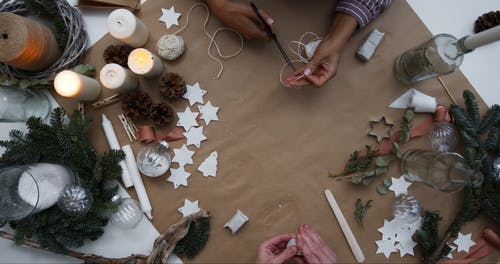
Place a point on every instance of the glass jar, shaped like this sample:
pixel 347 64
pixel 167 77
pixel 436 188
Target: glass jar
pixel 444 171
pixel 17 105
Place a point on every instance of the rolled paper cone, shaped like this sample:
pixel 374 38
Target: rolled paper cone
pixel 26 44
pixel 423 103
pixel 74 85
pixel 137 180
pixel 482 38
pixel 127 28
pixel 117 78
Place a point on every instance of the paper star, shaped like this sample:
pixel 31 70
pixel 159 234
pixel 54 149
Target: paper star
pixel 403 235
pixel 195 136
pixel 208 112
pixel 189 208
pixel 390 229
pixel 450 256
pixel 380 128
pixel 399 186
pixel 183 156
pixel 209 166
pixel 464 242
pixel 416 225
pixel 386 247
pixel 194 94
pixel 406 248
pixel 170 17
pixel 178 177
pixel 187 119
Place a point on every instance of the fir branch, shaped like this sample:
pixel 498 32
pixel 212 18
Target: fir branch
pixel 361 210
pixel 427 236
pixel 195 239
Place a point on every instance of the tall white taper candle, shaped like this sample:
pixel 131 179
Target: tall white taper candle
pixel 114 144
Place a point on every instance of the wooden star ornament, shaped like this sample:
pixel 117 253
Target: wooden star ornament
pixel 380 128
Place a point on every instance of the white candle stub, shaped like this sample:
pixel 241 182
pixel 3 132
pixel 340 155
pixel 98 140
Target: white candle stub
pixel 482 38
pixel 118 78
pixel 74 85
pixel 170 47
pixel 144 63
pixel 127 28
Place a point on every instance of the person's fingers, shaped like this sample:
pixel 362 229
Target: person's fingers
pixel 269 20
pixel 299 260
pixel 313 234
pixel 257 30
pixel 276 240
pixel 307 249
pixel 288 253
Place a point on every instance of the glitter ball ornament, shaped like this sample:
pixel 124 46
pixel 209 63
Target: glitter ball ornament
pixel 170 47
pixel 496 169
pixel 75 200
pixel 407 208
pixel 128 213
pixel 154 160
pixel 443 137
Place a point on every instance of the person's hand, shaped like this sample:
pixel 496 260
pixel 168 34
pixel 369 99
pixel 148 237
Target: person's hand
pixel 313 248
pixel 274 250
pixel 241 18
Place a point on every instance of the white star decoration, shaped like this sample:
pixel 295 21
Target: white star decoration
pixel 208 112
pixel 464 242
pixel 406 248
pixel 170 17
pixel 397 236
pixel 189 208
pixel 209 166
pixel 450 256
pixel 183 156
pixel 194 94
pixel 195 136
pixel 399 186
pixel 187 119
pixel 178 177
pixel 386 247
pixel 389 230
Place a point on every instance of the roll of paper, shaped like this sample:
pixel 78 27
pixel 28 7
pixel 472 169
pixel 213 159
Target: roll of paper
pixel 137 180
pixel 26 44
pixel 423 103
pixel 114 144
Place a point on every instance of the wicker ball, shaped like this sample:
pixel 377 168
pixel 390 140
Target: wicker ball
pixel 117 54
pixel 136 104
pixel 161 114
pixel 172 86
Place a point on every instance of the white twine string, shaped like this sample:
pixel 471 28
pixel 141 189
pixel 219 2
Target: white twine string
pixel 298 50
pixel 212 38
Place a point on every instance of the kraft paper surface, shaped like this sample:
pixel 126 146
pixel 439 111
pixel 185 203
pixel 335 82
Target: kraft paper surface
pixel 276 144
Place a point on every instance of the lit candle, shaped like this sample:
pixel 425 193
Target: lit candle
pixel 127 28
pixel 482 38
pixel 143 62
pixel 116 77
pixel 74 85
pixel 114 144
pixel 137 180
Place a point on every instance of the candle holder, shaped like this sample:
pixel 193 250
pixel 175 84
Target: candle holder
pixel 17 105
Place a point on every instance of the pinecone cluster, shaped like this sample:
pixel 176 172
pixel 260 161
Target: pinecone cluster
pixel 117 54
pixel 136 104
pixel 487 21
pixel 172 86
pixel 140 105
pixel 161 114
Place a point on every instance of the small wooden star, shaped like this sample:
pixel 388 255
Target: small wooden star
pixel 380 129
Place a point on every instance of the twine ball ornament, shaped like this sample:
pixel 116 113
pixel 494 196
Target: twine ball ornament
pixel 170 47
pixel 75 200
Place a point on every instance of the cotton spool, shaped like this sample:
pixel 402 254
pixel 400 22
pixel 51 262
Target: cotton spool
pixel 26 44
pixel 170 47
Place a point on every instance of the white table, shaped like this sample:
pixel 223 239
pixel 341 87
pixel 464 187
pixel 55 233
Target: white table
pixel 454 17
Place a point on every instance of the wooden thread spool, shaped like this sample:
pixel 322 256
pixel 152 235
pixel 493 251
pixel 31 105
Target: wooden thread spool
pixel 26 44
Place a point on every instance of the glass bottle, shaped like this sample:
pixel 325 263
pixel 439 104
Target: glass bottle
pixel 444 171
pixel 154 160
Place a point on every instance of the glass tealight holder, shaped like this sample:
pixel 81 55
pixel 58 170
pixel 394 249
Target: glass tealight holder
pixel 154 160
pixel 443 137
pixel 128 213
pixel 407 208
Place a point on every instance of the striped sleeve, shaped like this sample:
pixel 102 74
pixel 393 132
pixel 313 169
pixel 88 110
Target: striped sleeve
pixel 363 11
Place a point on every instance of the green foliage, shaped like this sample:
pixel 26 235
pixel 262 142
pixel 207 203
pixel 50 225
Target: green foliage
pixel 427 235
pixel 359 163
pixel 69 146
pixel 361 210
pixel 49 10
pixel 195 239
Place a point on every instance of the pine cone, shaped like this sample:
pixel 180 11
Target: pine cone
pixel 161 114
pixel 117 54
pixel 136 104
pixel 172 86
pixel 487 21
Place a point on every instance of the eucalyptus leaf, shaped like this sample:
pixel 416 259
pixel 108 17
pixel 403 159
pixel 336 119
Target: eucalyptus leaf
pixel 382 189
pixel 381 171
pixel 44 81
pixel 34 82
pixel 3 78
pixel 24 84
pixel 409 115
pixel 387 182
pixel 357 180
pixel 395 149
pixel 367 180
pixel 381 162
pixel 369 173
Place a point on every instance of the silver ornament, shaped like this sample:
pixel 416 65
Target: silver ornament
pixel 75 200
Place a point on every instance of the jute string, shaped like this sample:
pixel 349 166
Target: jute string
pixel 212 38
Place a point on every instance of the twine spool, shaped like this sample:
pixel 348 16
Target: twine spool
pixel 26 44
pixel 170 47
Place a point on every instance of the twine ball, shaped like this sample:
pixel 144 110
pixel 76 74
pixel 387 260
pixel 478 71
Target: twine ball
pixel 170 47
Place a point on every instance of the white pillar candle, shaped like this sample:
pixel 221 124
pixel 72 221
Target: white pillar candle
pixel 114 144
pixel 143 62
pixel 482 38
pixel 138 184
pixel 74 85
pixel 127 28
pixel 117 78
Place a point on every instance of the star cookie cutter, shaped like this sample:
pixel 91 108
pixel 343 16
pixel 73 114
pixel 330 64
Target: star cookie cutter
pixel 375 129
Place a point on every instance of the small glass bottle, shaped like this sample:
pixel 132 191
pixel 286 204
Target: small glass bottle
pixel 154 160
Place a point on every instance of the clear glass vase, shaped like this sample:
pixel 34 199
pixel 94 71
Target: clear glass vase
pixel 17 105
pixel 444 171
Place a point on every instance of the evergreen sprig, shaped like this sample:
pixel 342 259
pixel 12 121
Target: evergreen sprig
pixel 195 239
pixel 64 144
